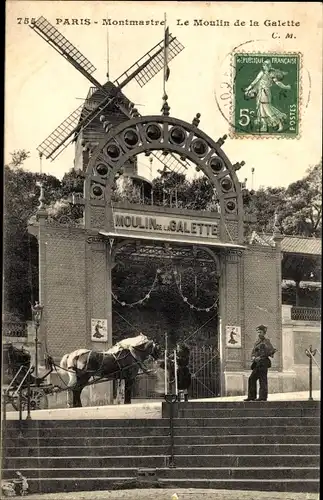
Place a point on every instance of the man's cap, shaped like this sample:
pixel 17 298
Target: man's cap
pixel 263 328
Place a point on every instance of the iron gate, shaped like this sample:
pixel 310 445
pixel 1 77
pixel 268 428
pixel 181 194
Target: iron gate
pixel 205 368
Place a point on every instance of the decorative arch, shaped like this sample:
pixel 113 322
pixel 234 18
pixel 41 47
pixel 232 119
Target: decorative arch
pixel 171 135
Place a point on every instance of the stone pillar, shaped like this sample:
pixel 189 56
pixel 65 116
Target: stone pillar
pixel 101 302
pixel 109 265
pixel 278 356
pixel 232 306
pixel 42 216
pixel 287 355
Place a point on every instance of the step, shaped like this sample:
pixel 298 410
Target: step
pixel 246 412
pixel 287 485
pixel 181 438
pixel 71 471
pixel 140 461
pixel 97 483
pixel 77 484
pixel 83 451
pixel 254 420
pixel 247 430
pixel 88 461
pixel 61 432
pixel 188 430
pixel 247 421
pixel 252 461
pixel 279 473
pixel 241 405
pixel 248 404
pixel 107 450
pixel 245 404
pixel 77 423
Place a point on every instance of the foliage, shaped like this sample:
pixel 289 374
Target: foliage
pixel 20 255
pixel 264 204
pixel 20 249
pixel 303 210
pixel 297 209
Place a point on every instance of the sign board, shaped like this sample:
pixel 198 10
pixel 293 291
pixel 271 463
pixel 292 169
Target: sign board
pixel 233 336
pixel 163 224
pixel 99 330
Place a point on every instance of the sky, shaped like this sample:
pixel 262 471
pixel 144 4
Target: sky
pixel 42 89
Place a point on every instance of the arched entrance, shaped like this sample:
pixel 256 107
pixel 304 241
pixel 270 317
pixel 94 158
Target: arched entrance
pixel 119 227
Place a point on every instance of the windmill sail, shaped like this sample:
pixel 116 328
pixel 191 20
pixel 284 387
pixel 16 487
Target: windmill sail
pixel 58 41
pixel 155 60
pixel 65 48
pixel 142 71
pixel 172 163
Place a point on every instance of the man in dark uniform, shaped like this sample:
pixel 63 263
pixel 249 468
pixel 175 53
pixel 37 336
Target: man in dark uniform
pixel 261 353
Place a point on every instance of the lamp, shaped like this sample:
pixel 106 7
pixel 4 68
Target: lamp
pixel 37 314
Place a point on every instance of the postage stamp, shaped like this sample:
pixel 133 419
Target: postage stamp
pixel 266 95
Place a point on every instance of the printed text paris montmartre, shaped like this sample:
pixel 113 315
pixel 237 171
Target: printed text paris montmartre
pixel 217 23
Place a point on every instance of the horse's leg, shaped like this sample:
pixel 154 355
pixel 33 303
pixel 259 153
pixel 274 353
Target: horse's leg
pixel 128 384
pixel 77 391
pixel 77 397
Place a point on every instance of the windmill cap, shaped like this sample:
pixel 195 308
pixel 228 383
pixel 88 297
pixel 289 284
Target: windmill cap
pixel 262 328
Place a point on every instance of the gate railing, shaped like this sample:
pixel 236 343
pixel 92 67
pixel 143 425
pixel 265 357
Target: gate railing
pixel 204 367
pixel 305 313
pixel 14 329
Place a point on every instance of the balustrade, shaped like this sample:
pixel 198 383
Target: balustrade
pixel 14 329
pixel 305 313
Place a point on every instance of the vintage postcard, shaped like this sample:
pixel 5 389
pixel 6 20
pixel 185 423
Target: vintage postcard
pixel 162 249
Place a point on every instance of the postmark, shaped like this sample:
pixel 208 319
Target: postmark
pixel 266 94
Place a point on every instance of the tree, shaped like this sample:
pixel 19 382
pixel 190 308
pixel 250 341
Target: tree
pixel 303 210
pixel 296 210
pixel 20 249
pixel 264 204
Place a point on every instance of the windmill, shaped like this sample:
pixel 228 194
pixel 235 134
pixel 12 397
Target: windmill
pixel 107 98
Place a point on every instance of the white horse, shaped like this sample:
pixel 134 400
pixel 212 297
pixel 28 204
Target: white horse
pixel 122 361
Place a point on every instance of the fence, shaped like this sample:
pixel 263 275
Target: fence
pixel 14 329
pixel 204 367
pixel 305 313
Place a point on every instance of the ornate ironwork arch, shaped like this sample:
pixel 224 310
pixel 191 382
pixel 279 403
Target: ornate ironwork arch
pixel 150 133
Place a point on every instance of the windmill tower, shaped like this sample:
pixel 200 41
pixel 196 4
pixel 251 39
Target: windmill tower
pixel 104 105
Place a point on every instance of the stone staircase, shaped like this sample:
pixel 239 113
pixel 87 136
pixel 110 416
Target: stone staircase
pixel 252 446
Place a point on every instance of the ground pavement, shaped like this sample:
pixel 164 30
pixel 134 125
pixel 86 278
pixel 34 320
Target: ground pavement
pixel 182 494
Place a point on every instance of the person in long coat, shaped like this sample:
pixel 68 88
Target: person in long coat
pixel 261 354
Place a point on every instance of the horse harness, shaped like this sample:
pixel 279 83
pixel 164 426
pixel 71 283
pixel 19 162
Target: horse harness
pixel 117 357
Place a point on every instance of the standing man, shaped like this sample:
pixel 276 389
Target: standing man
pixel 261 353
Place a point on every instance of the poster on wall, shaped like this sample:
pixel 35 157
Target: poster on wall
pixel 233 336
pixel 99 330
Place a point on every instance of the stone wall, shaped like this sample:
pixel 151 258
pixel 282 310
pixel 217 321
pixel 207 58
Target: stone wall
pixel 252 296
pixel 64 288
pixel 298 336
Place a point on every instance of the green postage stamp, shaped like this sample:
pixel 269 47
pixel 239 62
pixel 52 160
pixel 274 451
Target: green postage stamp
pixel 266 95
